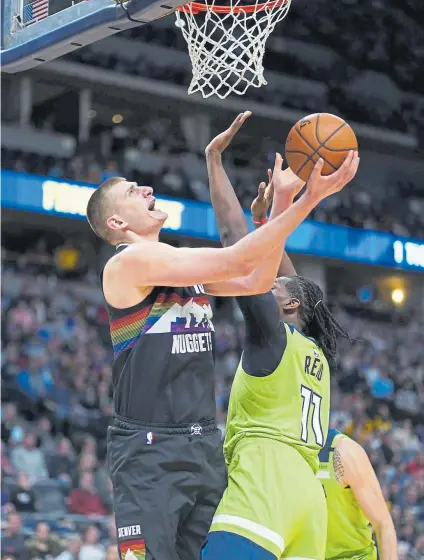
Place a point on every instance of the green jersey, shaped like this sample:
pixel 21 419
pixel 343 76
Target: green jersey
pixel 289 404
pixel 349 533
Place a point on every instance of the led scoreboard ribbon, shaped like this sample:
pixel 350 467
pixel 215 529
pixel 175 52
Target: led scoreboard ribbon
pixel 58 197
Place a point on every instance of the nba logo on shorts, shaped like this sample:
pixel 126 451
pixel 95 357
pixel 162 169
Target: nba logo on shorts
pixel 149 438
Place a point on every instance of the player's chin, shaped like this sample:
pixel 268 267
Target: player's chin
pixel 159 215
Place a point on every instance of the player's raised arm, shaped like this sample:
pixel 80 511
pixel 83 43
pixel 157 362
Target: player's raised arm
pixel 355 470
pixel 232 224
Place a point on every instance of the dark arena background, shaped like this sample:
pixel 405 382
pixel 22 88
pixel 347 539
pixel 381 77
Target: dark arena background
pixel 119 107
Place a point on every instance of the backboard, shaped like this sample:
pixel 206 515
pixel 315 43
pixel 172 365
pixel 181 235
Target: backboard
pixel 37 31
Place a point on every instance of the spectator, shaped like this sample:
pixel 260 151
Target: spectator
pixel 27 458
pixel 6 465
pixel 6 506
pixel 387 447
pixel 112 553
pixel 13 542
pixel 417 464
pixel 85 499
pixel 44 433
pixel 12 425
pixel 35 381
pixel 44 545
pixel 23 497
pixel 382 386
pixel 62 463
pixel 110 171
pixel 91 548
pixel 72 551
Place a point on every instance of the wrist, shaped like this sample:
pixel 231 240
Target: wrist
pixel 259 220
pixel 283 200
pixel 213 155
pixel 311 198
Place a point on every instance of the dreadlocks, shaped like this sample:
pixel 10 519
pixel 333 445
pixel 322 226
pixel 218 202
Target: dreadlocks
pixel 319 322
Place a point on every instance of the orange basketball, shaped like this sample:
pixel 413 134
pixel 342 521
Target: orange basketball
pixel 319 135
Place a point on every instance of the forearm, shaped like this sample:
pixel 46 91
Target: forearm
pixel 285 266
pixel 280 204
pixel 258 245
pixel 387 541
pixel 232 224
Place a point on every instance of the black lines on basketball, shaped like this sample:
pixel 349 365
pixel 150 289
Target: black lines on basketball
pixel 315 151
pixel 324 143
pixel 319 135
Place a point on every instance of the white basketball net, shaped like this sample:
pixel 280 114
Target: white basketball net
pixel 227 49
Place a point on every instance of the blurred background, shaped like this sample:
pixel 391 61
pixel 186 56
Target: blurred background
pixel 120 108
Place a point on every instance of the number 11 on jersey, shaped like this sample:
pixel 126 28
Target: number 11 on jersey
pixel 311 399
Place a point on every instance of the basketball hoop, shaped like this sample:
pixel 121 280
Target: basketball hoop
pixel 226 44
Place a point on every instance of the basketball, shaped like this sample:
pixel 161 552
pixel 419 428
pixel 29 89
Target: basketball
pixel 319 135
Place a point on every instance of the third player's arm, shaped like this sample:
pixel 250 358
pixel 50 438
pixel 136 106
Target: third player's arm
pixel 355 470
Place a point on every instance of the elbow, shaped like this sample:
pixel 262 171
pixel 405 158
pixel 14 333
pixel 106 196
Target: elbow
pixel 383 525
pixel 264 285
pixel 258 284
pixel 236 264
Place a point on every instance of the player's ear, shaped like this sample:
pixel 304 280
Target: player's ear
pixel 116 223
pixel 291 304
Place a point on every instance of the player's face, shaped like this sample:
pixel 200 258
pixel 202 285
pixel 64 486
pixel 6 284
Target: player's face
pixel 135 209
pixel 288 305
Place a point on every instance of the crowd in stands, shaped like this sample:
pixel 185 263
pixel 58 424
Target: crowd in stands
pixel 57 402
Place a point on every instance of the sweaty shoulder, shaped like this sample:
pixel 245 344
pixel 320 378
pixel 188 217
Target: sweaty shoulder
pixel 119 287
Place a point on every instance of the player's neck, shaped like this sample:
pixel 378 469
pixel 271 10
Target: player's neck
pixel 132 237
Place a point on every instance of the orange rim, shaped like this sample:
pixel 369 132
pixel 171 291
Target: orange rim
pixel 196 7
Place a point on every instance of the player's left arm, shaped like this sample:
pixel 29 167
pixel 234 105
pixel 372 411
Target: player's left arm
pixel 353 468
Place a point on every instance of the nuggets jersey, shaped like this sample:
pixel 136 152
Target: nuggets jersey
pixel 164 357
pixel 290 405
pixel 349 533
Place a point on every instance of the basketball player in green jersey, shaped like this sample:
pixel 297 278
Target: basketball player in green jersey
pixel 274 506
pixel 354 500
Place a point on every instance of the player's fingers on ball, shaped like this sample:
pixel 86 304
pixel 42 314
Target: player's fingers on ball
pixel 342 172
pixel 348 161
pixel 316 171
pixel 353 167
pixel 355 161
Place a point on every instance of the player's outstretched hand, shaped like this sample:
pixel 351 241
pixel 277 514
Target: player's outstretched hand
pixel 222 141
pixel 320 187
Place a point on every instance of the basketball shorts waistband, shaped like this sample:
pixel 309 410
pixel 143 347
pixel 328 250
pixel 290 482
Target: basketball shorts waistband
pixel 194 428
